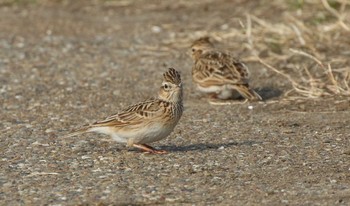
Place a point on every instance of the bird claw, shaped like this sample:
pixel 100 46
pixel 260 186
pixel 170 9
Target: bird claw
pixel 148 149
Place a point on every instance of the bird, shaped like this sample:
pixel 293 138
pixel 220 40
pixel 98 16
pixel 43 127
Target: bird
pixel 219 74
pixel 147 121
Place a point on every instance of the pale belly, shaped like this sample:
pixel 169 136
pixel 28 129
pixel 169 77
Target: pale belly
pixel 150 133
pixel 222 92
pixel 153 134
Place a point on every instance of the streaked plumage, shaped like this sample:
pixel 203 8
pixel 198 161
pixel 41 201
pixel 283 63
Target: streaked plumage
pixel 147 121
pixel 218 73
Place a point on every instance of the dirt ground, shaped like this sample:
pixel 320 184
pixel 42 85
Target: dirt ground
pixel 64 64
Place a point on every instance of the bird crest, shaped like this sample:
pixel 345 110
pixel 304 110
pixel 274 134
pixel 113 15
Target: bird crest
pixel 172 76
pixel 203 41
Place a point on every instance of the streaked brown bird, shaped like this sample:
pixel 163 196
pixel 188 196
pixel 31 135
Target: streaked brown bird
pixel 147 121
pixel 219 74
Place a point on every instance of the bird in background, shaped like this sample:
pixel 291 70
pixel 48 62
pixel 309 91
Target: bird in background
pixel 145 122
pixel 219 74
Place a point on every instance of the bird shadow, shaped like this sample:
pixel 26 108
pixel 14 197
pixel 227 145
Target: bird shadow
pixel 268 92
pixel 208 146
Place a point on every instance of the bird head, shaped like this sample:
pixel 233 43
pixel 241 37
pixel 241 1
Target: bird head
pixel 171 89
pixel 200 46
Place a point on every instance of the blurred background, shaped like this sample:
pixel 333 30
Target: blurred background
pixel 66 63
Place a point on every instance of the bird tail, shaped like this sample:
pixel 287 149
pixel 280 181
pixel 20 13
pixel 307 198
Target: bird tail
pixel 247 93
pixel 77 132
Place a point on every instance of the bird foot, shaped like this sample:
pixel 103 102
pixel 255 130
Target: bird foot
pixel 149 149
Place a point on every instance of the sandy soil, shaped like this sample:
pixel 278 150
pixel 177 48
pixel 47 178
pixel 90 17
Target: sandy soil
pixel 63 65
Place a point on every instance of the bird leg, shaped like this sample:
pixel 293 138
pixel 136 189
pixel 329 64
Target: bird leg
pixel 149 149
pixel 213 96
pixel 214 99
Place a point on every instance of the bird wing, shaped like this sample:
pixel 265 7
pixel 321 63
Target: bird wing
pixel 133 115
pixel 218 68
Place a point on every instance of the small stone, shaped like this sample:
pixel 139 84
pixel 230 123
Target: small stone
pixel 156 29
pixel 224 27
pixel 48 130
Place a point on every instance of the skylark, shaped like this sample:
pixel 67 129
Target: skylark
pixel 218 73
pixel 147 121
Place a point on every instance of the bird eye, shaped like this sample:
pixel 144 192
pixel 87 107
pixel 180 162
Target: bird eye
pixel 193 50
pixel 166 86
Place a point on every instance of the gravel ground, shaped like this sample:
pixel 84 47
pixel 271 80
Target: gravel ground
pixel 65 65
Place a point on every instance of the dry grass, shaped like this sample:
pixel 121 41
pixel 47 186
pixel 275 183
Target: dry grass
pixel 311 77
pixel 300 58
pixel 332 82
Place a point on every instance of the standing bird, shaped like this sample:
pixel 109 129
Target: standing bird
pixel 147 121
pixel 218 73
